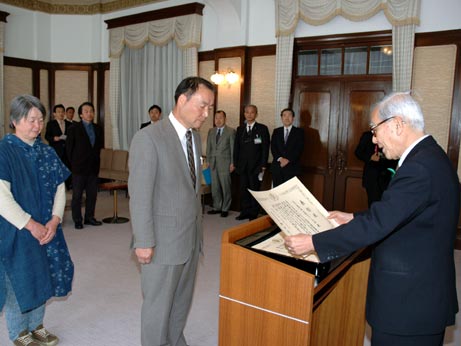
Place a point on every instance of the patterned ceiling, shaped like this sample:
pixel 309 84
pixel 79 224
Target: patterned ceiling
pixel 77 6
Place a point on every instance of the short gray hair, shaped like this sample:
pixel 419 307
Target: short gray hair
pixel 404 105
pixel 21 106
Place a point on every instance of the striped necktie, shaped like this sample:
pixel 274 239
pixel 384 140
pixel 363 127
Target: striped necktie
pixel 190 156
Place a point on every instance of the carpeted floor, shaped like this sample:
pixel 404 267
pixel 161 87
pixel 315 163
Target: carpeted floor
pixel 104 307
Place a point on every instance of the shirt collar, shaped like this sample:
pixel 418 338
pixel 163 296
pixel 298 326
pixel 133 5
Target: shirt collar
pixel 407 150
pixel 180 129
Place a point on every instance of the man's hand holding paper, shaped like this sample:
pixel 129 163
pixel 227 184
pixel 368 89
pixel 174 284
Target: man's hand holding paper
pixel 297 213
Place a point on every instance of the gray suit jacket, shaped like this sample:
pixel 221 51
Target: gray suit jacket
pixel 165 209
pixel 220 155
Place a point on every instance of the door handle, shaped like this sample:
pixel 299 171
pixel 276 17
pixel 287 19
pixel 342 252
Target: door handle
pixel 341 162
pixel 331 164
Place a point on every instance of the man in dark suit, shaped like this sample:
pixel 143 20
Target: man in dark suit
pixel 287 144
pixel 84 143
pixel 220 155
pixel 70 111
pixel 155 112
pixel 376 175
pixel 56 134
pixel 251 150
pixel 166 213
pixel 411 287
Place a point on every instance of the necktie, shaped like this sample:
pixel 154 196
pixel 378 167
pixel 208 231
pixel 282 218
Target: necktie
pixel 249 129
pixel 90 131
pixel 287 132
pixel 218 135
pixel 190 156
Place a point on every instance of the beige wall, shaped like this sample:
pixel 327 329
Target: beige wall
pixel 432 86
pixel 263 89
pixel 17 81
pixel 205 70
pixel 71 89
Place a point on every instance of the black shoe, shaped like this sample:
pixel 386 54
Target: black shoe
pixel 224 213
pixel 241 217
pixel 251 218
pixel 78 225
pixel 212 212
pixel 93 222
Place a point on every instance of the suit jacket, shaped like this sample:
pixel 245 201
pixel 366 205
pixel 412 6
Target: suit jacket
pixel 84 159
pixel 375 173
pixel 251 151
pixel 292 151
pixel 165 209
pixel 220 155
pixel 52 130
pixel 411 286
pixel 145 124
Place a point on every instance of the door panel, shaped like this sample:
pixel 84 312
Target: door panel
pixel 317 106
pixel 333 115
pixel 357 102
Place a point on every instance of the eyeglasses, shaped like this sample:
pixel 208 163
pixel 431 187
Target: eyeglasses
pixel 374 127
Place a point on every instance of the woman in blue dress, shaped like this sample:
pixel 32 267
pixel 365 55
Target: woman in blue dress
pixel 35 264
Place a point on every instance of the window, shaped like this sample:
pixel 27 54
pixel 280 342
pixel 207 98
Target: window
pixel 330 62
pixel 308 62
pixel 380 59
pixel 348 60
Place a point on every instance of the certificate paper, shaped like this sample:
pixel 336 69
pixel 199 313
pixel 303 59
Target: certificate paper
pixel 295 210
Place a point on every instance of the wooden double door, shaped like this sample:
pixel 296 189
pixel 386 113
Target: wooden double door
pixel 334 114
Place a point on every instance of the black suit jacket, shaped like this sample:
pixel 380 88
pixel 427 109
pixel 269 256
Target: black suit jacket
pixel 83 157
pixel 411 286
pixel 251 152
pixel 52 130
pixel 375 173
pixel 145 124
pixel 292 151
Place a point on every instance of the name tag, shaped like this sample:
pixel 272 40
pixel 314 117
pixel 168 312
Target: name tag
pixel 258 140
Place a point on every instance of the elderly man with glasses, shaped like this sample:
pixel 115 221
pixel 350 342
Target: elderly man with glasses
pixel 411 287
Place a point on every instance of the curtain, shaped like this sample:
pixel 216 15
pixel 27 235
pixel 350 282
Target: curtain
pixel 402 14
pixel 147 76
pixel 124 42
pixel 283 70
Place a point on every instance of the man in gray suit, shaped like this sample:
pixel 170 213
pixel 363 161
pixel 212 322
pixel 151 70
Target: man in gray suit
pixel 220 153
pixel 166 214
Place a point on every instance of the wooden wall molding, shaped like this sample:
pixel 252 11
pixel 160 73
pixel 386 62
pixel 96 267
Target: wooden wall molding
pixel 169 12
pixel 36 66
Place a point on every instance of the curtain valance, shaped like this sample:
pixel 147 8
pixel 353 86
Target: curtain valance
pixel 185 30
pixel 317 12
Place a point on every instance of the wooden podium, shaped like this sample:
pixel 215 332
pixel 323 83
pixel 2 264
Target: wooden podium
pixel 264 302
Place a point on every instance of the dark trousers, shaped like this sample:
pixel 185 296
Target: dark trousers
pixel 90 185
pixel 379 338
pixel 249 206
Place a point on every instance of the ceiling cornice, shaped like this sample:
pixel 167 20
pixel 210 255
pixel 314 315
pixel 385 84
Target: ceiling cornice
pixel 86 7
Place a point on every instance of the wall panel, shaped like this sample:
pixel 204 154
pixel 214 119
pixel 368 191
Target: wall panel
pixel 263 89
pixel 229 95
pixel 205 70
pixel 432 86
pixel 71 88
pixel 17 81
